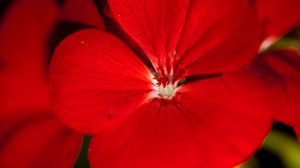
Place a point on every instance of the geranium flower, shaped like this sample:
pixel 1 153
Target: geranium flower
pixel 271 82
pixel 168 105
pixel 31 136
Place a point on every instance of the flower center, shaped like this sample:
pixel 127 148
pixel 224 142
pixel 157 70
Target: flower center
pixel 166 91
pixel 164 84
pixel 164 87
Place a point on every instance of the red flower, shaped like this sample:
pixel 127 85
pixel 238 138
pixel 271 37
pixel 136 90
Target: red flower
pixel 139 111
pixel 271 82
pixel 30 134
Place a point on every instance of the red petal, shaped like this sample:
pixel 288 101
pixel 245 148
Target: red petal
pixel 209 42
pixel 154 24
pixel 24 32
pixel 297 132
pixel 203 126
pixel 82 11
pixel 278 16
pixel 96 81
pixel 219 35
pixel 36 140
pixel 22 91
pixel 29 136
pixel 271 84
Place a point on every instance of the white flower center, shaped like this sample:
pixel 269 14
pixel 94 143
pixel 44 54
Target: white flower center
pixel 167 90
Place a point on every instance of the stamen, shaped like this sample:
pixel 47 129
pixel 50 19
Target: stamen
pixel 166 91
pixel 164 84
